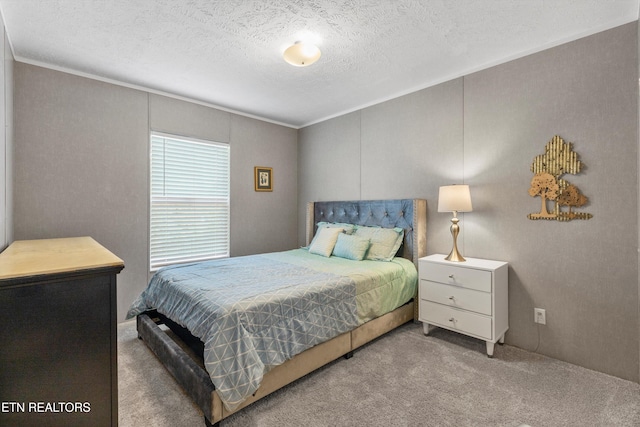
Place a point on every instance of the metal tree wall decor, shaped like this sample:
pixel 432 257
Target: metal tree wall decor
pixel 557 160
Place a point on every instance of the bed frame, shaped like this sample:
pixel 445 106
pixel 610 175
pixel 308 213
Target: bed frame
pixel 188 370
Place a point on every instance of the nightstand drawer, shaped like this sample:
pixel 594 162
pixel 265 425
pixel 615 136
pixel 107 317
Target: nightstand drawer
pixel 454 296
pixel 471 278
pixel 456 320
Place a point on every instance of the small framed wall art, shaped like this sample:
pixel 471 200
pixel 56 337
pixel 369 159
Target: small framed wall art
pixel 263 178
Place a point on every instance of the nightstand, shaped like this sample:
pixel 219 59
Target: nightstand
pixel 468 297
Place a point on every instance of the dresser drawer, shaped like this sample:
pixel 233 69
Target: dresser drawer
pixel 471 278
pixel 456 320
pixel 455 296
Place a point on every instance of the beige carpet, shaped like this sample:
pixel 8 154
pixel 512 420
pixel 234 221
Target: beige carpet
pixel 401 379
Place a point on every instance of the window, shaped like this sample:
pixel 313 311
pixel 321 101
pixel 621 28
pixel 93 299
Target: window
pixel 189 200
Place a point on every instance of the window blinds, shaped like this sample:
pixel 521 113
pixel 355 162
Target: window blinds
pixel 189 200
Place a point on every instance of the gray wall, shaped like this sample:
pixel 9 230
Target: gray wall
pixel 484 130
pixel 6 139
pixel 81 167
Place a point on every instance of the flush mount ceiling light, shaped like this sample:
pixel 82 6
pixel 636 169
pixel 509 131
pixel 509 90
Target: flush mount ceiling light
pixel 301 54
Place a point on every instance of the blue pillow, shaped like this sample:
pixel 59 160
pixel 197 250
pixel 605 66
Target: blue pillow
pixel 351 247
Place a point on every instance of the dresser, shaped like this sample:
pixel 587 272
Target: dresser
pixel 58 343
pixel 468 297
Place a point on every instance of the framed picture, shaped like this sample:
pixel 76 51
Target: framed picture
pixel 263 178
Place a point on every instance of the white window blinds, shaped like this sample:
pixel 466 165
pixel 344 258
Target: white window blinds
pixel 189 200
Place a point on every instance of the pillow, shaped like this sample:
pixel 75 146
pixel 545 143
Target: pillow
pixel 351 247
pixel 385 242
pixel 348 228
pixel 324 241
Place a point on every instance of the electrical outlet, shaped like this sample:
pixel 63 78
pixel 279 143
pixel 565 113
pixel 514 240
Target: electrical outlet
pixel 540 316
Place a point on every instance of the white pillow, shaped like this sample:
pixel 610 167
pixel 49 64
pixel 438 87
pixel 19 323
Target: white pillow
pixel 324 241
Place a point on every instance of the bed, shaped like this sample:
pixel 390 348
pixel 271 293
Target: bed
pixel 340 307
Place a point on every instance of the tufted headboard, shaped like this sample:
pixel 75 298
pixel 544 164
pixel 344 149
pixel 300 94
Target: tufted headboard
pixel 409 214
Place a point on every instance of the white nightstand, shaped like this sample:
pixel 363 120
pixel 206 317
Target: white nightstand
pixel 468 297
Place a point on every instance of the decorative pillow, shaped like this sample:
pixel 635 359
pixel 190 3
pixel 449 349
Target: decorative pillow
pixel 385 242
pixel 348 228
pixel 351 247
pixel 324 241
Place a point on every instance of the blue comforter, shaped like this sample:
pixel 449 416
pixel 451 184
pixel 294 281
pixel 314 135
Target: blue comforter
pixel 248 327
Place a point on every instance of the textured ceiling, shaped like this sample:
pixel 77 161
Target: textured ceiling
pixel 228 53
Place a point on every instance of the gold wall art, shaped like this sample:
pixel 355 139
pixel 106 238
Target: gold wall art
pixel 557 160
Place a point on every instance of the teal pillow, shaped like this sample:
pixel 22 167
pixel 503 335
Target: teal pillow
pixel 385 242
pixel 351 247
pixel 324 241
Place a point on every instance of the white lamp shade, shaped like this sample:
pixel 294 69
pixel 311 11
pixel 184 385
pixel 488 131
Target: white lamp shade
pixel 454 198
pixel 302 54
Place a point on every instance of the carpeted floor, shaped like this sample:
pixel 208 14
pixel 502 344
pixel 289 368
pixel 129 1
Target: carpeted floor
pixel 401 379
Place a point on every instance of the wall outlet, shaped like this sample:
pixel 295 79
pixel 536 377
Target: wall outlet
pixel 540 316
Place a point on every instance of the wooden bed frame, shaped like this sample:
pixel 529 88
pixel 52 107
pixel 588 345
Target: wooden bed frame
pixel 189 372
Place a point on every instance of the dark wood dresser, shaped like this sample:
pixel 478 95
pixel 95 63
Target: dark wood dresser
pixel 58 343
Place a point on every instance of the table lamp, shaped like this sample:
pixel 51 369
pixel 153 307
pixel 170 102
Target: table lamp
pixel 454 198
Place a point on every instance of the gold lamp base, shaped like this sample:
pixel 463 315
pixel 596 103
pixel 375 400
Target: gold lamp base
pixel 455 255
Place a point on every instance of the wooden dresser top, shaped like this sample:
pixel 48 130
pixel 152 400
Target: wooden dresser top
pixel 24 258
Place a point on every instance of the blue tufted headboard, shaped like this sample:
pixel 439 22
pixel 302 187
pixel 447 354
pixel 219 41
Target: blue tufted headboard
pixel 409 214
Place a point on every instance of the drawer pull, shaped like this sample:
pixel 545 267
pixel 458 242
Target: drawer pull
pixel 452 320
pixel 451 276
pixel 452 298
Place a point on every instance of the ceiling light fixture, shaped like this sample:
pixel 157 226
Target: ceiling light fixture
pixel 301 54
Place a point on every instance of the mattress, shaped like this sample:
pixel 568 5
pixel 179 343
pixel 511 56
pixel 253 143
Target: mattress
pixel 256 312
